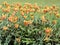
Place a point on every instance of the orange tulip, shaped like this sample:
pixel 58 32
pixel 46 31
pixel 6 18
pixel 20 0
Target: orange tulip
pixel 53 6
pixel 36 6
pixel 48 30
pixel 15 8
pixel 3 17
pixel 43 19
pixel 25 17
pixel 5 28
pixel 0 6
pixel 22 13
pixel 54 22
pixel 25 23
pixel 45 11
pixel 16 25
pixel 10 18
pixel 57 15
pixel 18 4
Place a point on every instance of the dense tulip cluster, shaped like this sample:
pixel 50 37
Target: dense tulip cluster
pixel 28 24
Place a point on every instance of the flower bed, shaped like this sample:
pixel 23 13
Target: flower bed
pixel 29 24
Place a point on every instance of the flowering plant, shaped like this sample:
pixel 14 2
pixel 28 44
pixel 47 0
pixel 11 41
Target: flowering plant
pixel 29 24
